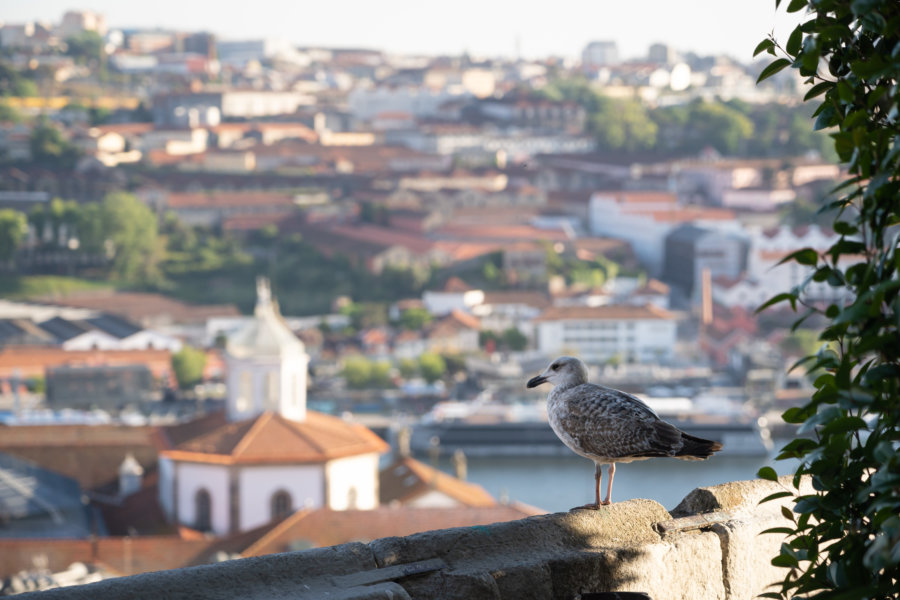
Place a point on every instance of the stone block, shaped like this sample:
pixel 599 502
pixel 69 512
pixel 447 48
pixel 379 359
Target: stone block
pixel 452 585
pixel 746 553
pixel 524 581
pixel 739 497
pixel 287 575
pixel 683 566
pixel 628 523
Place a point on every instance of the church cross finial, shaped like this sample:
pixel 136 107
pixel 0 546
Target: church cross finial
pixel 263 291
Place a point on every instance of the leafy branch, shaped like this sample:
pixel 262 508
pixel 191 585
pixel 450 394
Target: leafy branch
pixel 843 541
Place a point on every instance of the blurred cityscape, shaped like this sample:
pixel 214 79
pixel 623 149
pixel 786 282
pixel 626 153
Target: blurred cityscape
pixel 201 239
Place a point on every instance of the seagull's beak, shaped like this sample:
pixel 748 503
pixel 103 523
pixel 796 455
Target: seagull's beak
pixel 535 381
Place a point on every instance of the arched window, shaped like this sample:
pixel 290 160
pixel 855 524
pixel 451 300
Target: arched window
pixel 202 510
pixel 282 505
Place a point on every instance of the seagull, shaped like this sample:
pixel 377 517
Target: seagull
pixel 609 426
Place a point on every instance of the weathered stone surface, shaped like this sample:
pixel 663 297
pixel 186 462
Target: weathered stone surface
pixel 738 497
pixel 452 584
pixel 287 575
pixel 747 556
pixel 616 548
pixel 746 553
pixel 387 590
pixel 628 523
pixel 524 581
pixel 683 566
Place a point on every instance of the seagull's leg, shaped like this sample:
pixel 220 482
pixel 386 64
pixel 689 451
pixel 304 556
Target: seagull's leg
pixel 597 474
pixel 610 473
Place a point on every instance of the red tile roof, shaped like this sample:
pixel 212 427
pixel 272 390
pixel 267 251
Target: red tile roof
pixel 33 361
pixel 609 311
pixel 271 438
pixel 139 306
pixel 324 527
pixel 457 285
pixel 90 454
pixel 231 199
pixel 406 479
pixel 122 555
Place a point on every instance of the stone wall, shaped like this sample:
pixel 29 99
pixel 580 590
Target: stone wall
pixel 708 548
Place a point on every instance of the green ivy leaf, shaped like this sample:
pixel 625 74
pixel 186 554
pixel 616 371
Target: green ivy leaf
pixel 773 68
pixel 767 473
pixel 776 299
pixel 818 90
pixel 764 46
pixel 793 44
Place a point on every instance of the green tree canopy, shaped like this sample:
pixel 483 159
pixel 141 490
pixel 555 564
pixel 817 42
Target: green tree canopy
pixel 188 364
pixel 623 125
pixel 50 148
pixel 14 83
pixel 361 373
pixel 86 47
pixel 9 114
pixel 130 235
pixel 432 366
pixel 13 229
pixel 415 318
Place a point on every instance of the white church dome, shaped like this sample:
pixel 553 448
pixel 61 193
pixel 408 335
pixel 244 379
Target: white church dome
pixel 266 334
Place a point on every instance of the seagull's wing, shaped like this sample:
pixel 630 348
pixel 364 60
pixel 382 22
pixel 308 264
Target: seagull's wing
pixel 611 424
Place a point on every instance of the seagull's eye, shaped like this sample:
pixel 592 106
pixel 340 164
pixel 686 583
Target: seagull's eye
pixel 554 367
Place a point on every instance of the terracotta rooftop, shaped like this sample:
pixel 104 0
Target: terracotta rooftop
pixel 638 197
pixel 324 527
pixel 90 454
pixel 406 479
pixel 221 199
pixel 271 438
pixel 456 285
pixel 609 311
pixel 32 361
pixel 460 318
pixel 535 299
pixel 653 286
pixel 503 233
pixel 142 307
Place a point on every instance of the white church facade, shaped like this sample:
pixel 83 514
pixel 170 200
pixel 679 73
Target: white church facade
pixel 272 457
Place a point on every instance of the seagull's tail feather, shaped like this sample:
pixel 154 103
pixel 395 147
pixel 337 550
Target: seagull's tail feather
pixel 695 448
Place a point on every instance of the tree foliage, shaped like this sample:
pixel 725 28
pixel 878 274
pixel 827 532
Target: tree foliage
pixel 13 228
pixel 432 366
pixel 49 148
pixel 188 364
pixel 415 319
pixel 86 47
pixel 844 539
pixel 130 230
pixel 360 373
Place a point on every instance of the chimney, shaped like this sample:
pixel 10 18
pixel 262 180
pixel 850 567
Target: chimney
pixel 403 437
pixel 131 474
pixel 460 466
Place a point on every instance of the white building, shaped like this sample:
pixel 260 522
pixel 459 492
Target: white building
pixel 599 54
pixel 597 334
pixel 456 295
pixel 765 277
pixel 272 456
pixel 644 219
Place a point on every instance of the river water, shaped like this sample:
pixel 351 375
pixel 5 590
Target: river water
pixel 558 483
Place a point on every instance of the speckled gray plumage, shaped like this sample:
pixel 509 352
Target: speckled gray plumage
pixel 610 426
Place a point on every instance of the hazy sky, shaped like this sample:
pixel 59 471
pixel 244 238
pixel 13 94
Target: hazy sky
pixel 481 27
